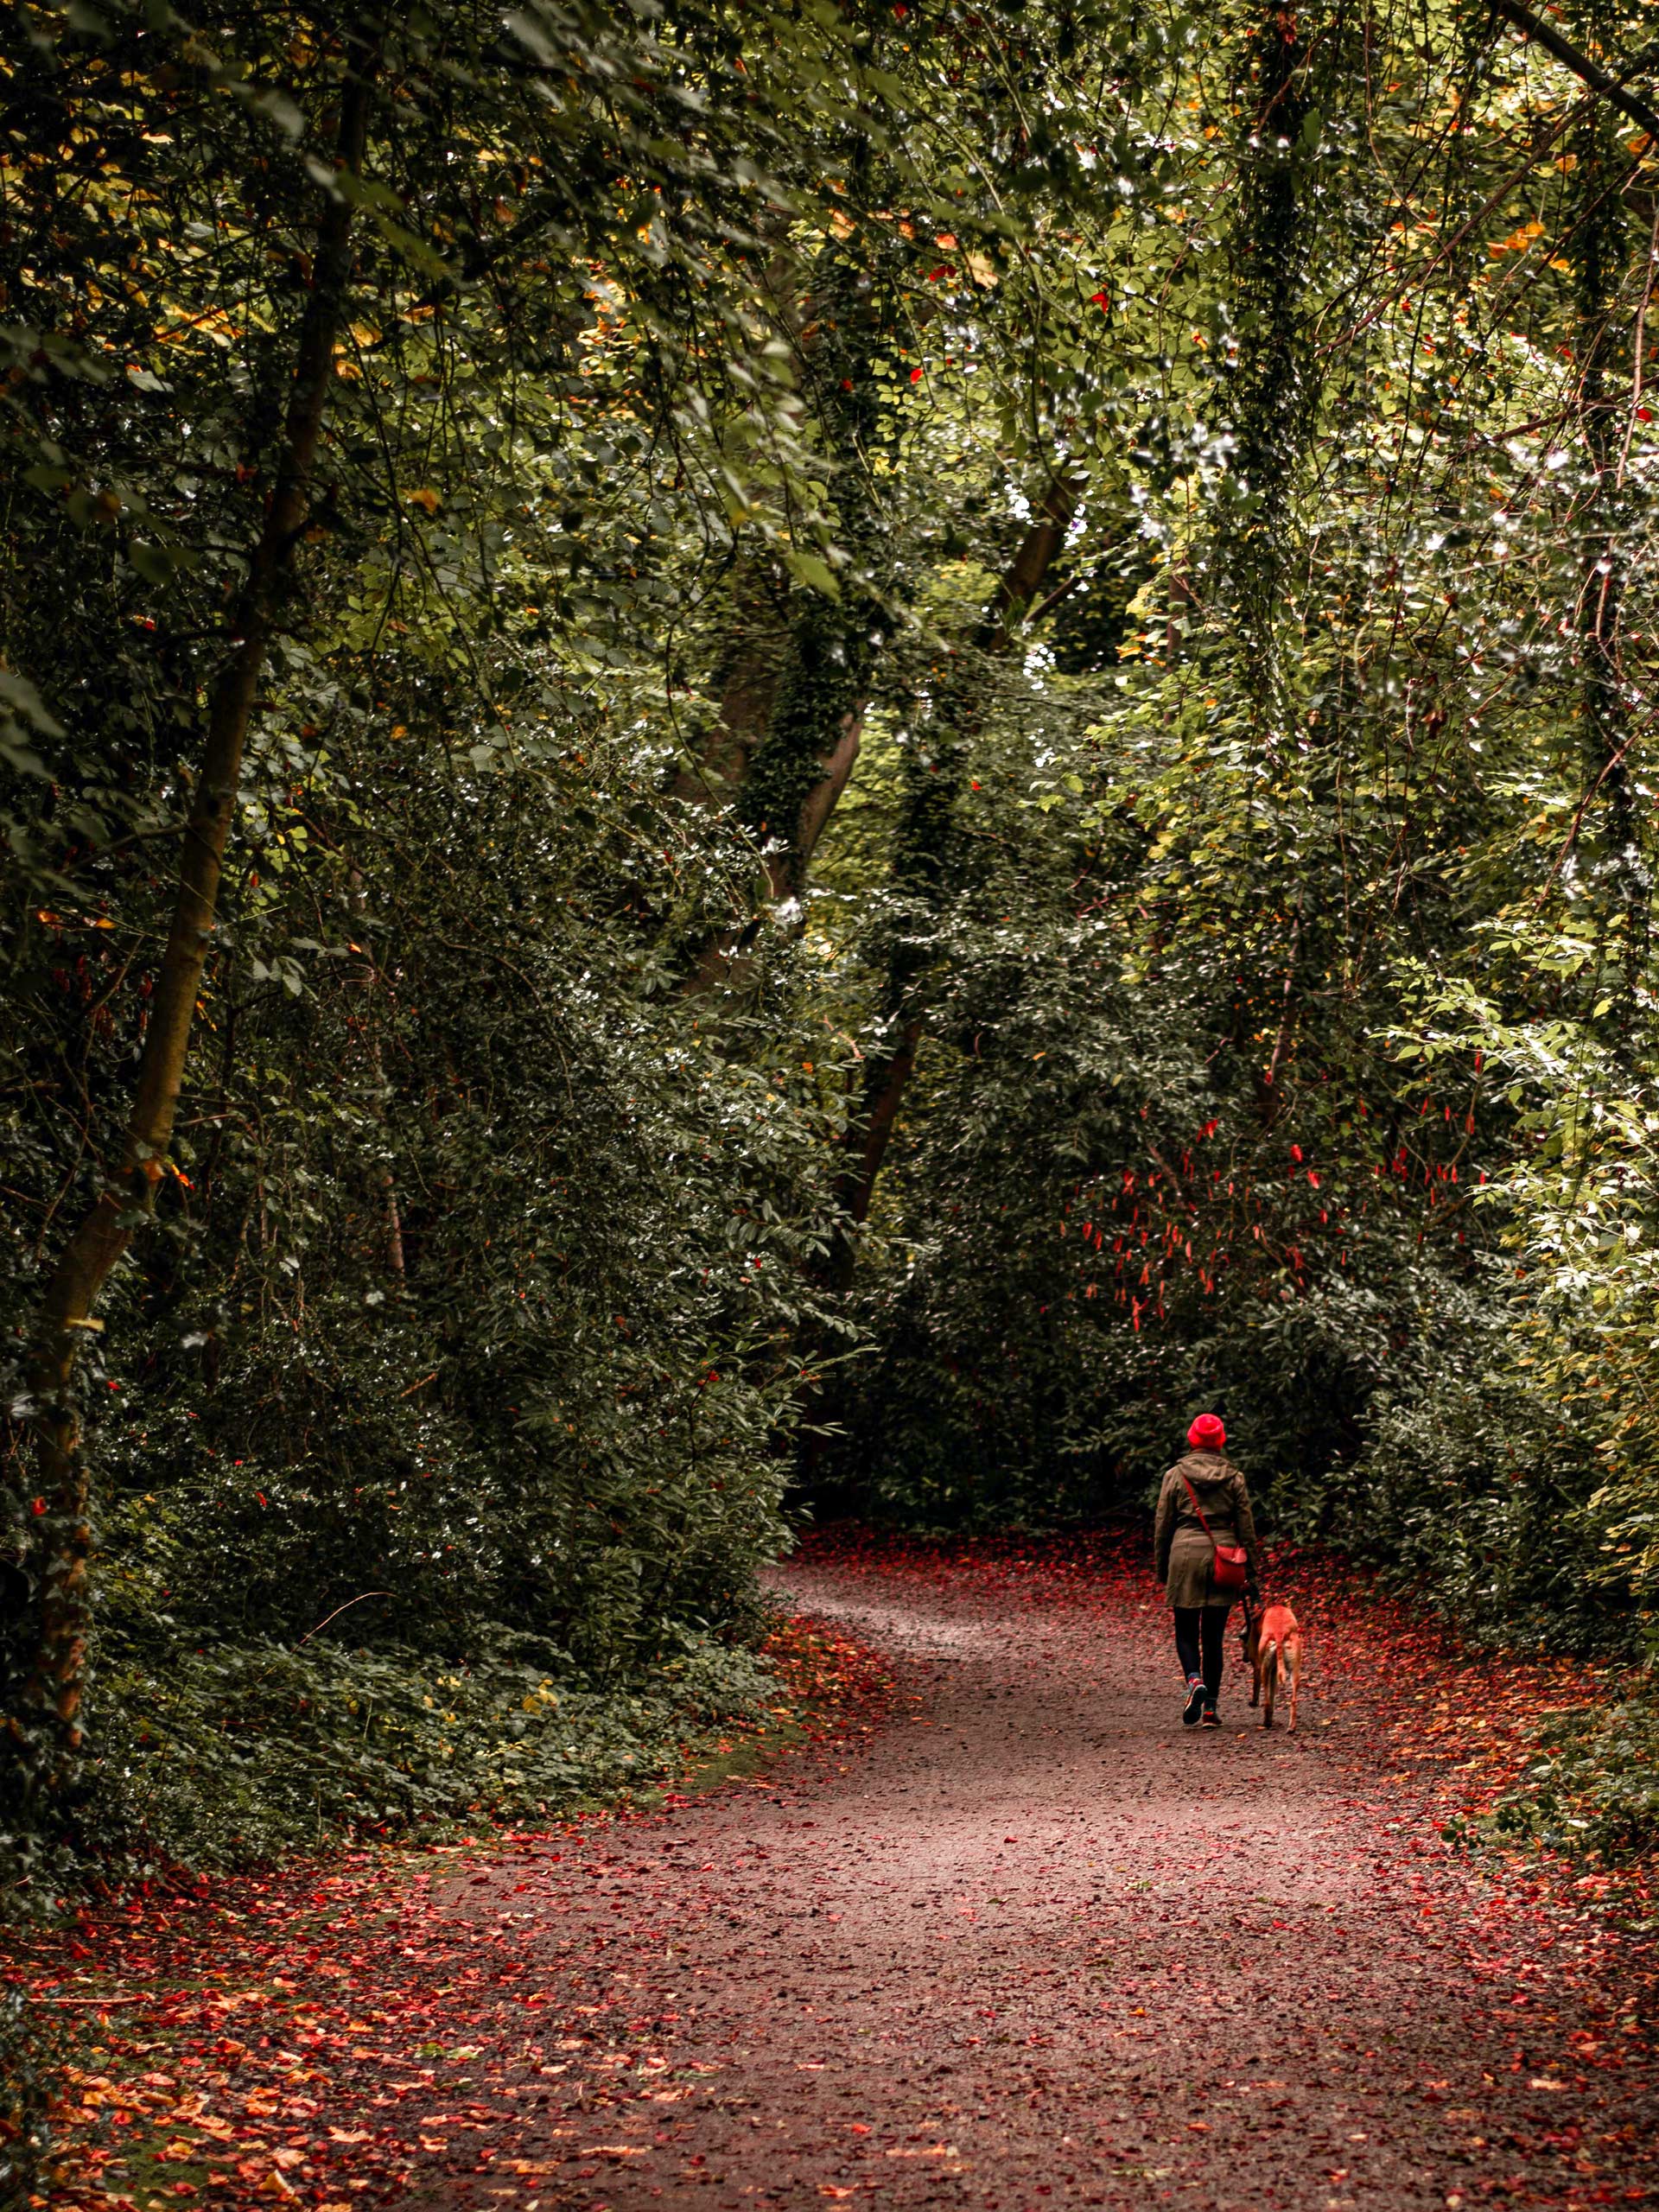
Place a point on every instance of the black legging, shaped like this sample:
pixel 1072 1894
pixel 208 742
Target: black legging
pixel 1202 1627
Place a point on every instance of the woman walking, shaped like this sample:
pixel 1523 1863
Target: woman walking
pixel 1205 1538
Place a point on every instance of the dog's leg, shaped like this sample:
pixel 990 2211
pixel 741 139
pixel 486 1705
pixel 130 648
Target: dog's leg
pixel 1295 1658
pixel 1270 1679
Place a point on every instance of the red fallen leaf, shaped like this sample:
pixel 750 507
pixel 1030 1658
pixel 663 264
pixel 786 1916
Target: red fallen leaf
pixel 296 2035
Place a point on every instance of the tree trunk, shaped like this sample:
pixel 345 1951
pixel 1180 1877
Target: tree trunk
pixel 1539 33
pixel 1274 377
pixel 919 867
pixel 366 979
pixel 1600 255
pixel 746 684
pixel 723 959
pixel 794 696
pixel 921 861
pixel 1275 395
pixel 52 1698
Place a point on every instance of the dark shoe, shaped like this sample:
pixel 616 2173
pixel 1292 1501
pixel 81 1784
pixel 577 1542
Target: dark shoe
pixel 1196 1693
pixel 1210 1718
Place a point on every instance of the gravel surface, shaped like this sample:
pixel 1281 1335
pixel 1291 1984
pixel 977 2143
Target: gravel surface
pixel 1040 1945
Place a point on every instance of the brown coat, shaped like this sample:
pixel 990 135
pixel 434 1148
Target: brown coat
pixel 1182 1551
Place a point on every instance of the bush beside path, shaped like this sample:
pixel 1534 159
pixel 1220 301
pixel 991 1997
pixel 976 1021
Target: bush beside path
pixel 1027 1943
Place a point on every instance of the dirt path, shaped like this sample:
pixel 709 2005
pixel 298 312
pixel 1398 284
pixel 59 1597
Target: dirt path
pixel 1041 1946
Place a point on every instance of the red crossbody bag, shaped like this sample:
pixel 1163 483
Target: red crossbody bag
pixel 1229 1570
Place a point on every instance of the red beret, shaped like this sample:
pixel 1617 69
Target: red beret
pixel 1206 1433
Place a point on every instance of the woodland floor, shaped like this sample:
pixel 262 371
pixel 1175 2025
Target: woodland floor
pixel 1030 1943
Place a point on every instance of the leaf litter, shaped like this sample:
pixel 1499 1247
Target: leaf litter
pixel 985 1921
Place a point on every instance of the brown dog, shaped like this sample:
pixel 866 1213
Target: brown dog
pixel 1272 1648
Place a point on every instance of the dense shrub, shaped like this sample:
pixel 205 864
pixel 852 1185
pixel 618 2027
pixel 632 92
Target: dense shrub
pixel 1596 1789
pixel 28 2061
pixel 237 1753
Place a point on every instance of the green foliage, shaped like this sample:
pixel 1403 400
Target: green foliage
pixel 472 1278
pixel 553 1414
pixel 238 1752
pixel 28 2056
pixel 1479 1493
pixel 1596 1789
pixel 1266 913
pixel 1299 1062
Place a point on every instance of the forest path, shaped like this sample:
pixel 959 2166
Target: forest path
pixel 1040 1945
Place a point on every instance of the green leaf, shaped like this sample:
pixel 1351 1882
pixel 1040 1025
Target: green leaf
pixel 817 574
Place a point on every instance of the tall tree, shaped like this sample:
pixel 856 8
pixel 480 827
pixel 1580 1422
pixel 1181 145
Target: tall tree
pixel 101 1238
pixel 796 676
pixel 1607 354
pixel 934 774
pixel 1272 390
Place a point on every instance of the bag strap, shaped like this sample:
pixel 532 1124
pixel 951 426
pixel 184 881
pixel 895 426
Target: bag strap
pixel 1198 1509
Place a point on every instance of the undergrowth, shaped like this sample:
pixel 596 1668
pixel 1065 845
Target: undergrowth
pixel 237 1753
pixel 28 2061
pixel 1594 1790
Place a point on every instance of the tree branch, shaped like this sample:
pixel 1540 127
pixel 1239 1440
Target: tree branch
pixel 1610 88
